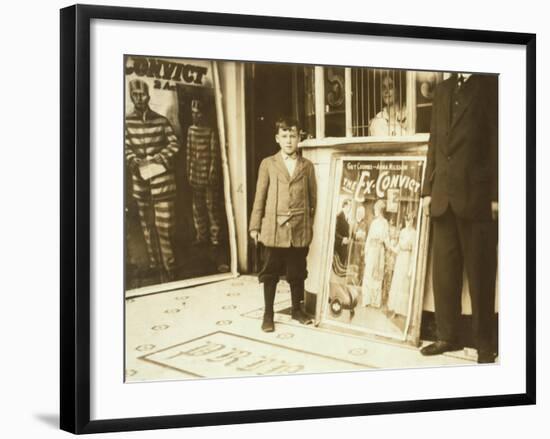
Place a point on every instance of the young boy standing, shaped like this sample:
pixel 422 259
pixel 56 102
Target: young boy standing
pixel 282 219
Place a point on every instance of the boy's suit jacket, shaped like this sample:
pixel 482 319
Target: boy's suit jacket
pixel 284 205
pixel 462 167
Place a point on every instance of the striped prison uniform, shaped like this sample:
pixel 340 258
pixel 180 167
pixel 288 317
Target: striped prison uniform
pixel 203 174
pixel 152 136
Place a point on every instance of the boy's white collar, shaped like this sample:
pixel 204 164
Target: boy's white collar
pixel 289 157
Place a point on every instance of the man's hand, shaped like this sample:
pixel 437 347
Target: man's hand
pixel 494 210
pixel 157 159
pixel 134 165
pixel 345 241
pixel 426 201
pixel 255 235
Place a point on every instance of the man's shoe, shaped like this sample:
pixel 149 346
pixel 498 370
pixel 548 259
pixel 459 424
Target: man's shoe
pixel 302 317
pixel 268 325
pixel 485 357
pixel 439 347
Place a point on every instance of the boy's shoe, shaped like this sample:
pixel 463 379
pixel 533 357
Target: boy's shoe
pixel 268 325
pixel 301 316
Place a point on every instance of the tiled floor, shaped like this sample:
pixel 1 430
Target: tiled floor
pixel 214 330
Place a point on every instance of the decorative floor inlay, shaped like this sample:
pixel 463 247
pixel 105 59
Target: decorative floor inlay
pixel 285 335
pixel 172 320
pixel 160 327
pixel 145 347
pixel 223 354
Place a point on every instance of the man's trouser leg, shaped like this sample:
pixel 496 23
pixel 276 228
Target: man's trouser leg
pixel 212 206
pixel 479 240
pixel 447 276
pixel 200 214
pixel 164 222
pixel 147 220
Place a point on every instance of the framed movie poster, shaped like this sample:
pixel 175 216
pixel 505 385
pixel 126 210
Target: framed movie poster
pixel 179 225
pixel 374 273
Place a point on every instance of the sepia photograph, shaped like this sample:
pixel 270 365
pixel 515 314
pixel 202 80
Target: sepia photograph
pixel 176 221
pixel 270 218
pixel 286 219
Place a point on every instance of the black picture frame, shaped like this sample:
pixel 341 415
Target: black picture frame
pixel 75 217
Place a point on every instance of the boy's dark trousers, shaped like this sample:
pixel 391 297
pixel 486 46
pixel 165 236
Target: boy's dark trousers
pixel 291 262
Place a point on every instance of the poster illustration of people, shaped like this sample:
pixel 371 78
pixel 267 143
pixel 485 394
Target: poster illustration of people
pixel 177 205
pixel 375 221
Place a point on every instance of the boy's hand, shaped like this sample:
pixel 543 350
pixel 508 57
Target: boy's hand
pixel 255 235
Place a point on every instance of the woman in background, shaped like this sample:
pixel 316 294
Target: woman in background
pixel 377 239
pixel 392 120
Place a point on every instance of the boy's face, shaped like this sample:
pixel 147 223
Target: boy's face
pixel 288 140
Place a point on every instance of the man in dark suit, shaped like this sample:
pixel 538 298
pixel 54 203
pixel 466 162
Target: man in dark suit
pixel 461 194
pixel 343 231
